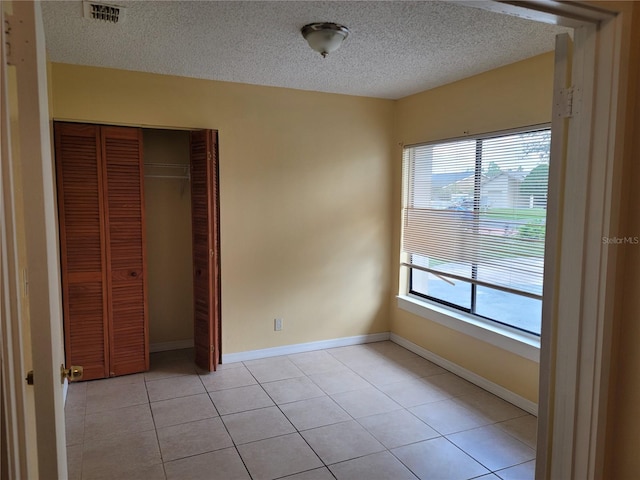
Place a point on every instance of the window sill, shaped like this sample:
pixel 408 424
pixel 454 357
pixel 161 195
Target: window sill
pixel 520 343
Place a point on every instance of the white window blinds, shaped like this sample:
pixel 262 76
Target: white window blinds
pixel 475 210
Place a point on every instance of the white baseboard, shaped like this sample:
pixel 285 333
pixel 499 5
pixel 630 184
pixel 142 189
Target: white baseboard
pixel 474 378
pixel 303 347
pixel 175 345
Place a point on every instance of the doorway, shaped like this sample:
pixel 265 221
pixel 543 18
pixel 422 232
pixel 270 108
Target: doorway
pixel 167 198
pixel 183 252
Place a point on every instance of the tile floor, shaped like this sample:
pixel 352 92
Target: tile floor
pixel 364 412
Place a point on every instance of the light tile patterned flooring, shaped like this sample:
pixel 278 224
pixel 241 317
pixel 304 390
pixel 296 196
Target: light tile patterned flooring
pixel 365 412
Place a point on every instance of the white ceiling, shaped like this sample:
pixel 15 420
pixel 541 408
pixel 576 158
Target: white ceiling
pixel 396 48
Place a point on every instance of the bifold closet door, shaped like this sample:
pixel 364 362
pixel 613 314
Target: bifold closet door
pixel 206 247
pixel 102 242
pixel 126 252
pixel 82 248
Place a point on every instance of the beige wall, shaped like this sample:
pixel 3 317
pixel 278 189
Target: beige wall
pixel 516 95
pixel 305 188
pixel 513 96
pixel 168 222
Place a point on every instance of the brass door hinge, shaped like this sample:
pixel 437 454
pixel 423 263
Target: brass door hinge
pixel 16 44
pixel 568 102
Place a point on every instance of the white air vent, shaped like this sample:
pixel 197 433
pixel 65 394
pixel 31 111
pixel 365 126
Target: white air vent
pixel 103 12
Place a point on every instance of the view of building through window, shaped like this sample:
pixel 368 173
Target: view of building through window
pixel 474 215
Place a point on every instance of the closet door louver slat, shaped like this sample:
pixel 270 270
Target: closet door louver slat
pixel 82 248
pixel 126 257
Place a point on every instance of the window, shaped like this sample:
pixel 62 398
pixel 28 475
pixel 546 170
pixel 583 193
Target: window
pixel 474 213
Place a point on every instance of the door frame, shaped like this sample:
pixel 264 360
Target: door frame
pixel 576 351
pixel 38 289
pixel 14 431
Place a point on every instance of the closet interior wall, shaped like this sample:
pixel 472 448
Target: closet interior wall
pixel 167 197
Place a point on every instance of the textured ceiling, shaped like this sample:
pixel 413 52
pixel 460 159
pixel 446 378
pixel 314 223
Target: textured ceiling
pixel 396 48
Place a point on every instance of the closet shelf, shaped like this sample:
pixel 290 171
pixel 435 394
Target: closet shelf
pixel 179 171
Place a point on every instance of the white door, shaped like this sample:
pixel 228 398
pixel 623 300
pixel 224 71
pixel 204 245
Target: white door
pixel 31 302
pixel 568 367
pixel 557 172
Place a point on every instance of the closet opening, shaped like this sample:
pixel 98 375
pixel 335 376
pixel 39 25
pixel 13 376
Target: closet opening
pixel 138 213
pixel 182 218
pixel 167 200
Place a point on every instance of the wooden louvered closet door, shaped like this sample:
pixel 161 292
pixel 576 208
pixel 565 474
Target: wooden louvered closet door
pixel 126 259
pixel 82 248
pixel 206 247
pixel 102 241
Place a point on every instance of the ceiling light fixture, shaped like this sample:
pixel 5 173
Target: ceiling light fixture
pixel 324 37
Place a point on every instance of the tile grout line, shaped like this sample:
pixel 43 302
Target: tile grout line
pixel 288 420
pixel 365 428
pixel 207 393
pixel 403 408
pixel 235 445
pixel 299 432
pixel 495 472
pixel 354 419
pixel 430 426
pixel 155 428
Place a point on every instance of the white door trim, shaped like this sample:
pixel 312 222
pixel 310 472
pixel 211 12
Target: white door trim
pixel 14 432
pixel 557 169
pixel 40 242
pixel 604 189
pixel 576 348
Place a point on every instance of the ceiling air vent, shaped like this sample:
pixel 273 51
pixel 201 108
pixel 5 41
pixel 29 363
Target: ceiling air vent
pixel 103 12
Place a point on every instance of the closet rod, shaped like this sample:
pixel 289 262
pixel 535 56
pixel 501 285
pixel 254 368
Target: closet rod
pixel 168 165
pixel 182 177
pixel 184 174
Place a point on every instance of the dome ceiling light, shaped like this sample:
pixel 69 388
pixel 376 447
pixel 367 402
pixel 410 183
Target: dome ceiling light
pixel 324 37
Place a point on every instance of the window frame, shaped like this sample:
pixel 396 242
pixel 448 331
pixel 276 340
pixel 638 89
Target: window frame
pixel 459 318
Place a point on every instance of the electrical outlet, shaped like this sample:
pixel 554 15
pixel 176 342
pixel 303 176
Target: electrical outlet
pixel 277 324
